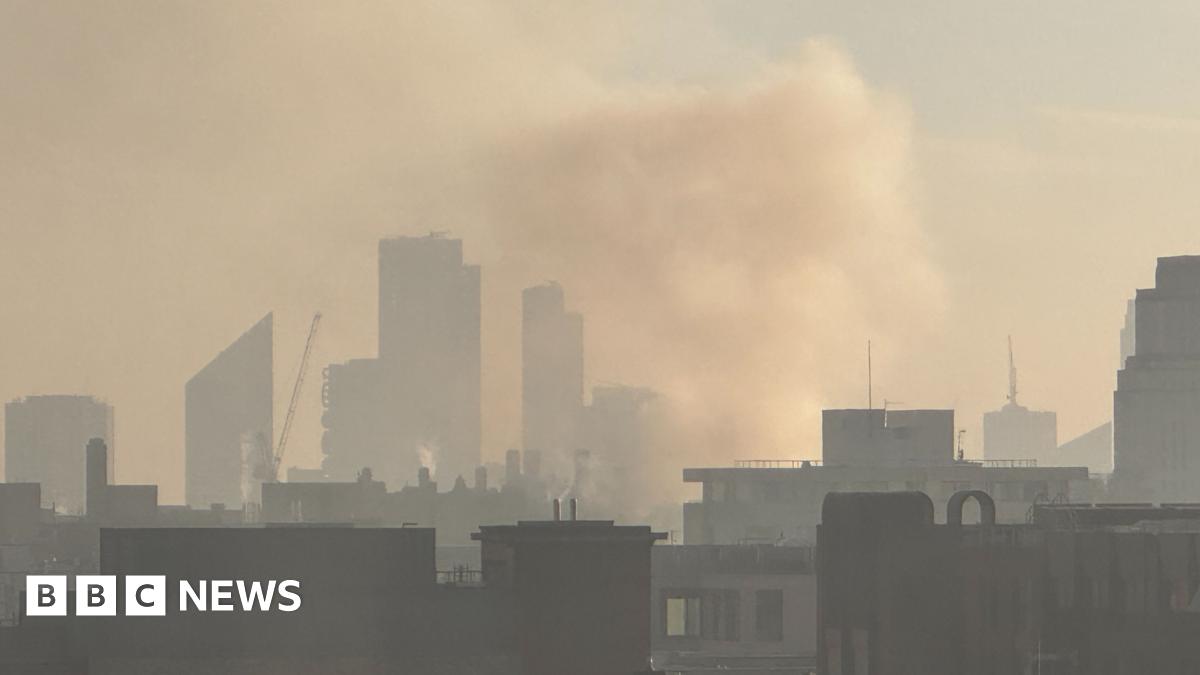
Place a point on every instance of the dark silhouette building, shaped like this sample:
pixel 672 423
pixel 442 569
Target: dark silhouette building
pixel 555 597
pixel 551 375
pixel 44 437
pixel 581 593
pixel 1156 407
pixel 1081 590
pixel 228 405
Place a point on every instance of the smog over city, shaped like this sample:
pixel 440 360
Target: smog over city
pixel 599 337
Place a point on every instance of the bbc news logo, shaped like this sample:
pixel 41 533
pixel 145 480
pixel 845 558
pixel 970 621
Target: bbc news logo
pixel 146 595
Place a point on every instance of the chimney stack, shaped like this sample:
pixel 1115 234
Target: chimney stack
pixel 557 511
pixel 96 478
pixel 574 509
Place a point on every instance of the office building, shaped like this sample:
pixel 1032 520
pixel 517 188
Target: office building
pixel 227 404
pixel 551 375
pixel 429 312
pixel 779 500
pixel 1156 407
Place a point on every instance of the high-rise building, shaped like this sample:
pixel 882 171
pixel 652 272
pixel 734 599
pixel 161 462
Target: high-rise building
pixel 45 438
pixel 429 307
pixel 1016 432
pixel 1156 407
pixel 366 424
pixel 1128 333
pixel 551 374
pixel 228 406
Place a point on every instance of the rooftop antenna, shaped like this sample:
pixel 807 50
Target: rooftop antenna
pixel 1012 375
pixel 870 401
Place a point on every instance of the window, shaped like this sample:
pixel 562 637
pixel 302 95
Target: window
pixel 683 616
pixel 709 614
pixel 719 616
pixel 768 616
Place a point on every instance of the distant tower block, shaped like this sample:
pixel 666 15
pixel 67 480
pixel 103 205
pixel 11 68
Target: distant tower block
pixel 44 442
pixel 551 377
pixel 1016 432
pixel 429 333
pixel 230 399
pixel 1156 425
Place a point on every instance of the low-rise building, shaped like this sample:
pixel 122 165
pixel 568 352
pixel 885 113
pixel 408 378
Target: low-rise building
pixel 734 609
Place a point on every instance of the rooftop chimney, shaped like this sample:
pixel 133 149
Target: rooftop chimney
pixel 96 477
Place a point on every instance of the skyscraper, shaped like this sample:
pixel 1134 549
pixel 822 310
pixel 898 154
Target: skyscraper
pixel 228 402
pixel 45 438
pixel 1156 425
pixel 551 374
pixel 366 424
pixel 429 308
pixel 1016 432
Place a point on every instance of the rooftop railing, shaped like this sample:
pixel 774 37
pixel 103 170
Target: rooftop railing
pixel 775 463
pixel 1009 463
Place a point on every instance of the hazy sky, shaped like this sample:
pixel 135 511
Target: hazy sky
pixel 737 195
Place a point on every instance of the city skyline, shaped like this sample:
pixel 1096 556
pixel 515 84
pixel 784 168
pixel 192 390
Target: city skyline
pixel 992 197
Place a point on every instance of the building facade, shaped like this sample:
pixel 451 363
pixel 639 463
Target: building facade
pixel 228 402
pixel 551 375
pixel 734 609
pixel 429 309
pixel 44 442
pixel 1156 407
pixel 1080 590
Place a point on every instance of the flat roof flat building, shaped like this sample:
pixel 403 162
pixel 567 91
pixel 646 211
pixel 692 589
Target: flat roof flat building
pixel 875 437
pixel 44 442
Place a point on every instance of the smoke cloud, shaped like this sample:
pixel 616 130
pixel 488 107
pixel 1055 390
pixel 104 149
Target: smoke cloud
pixel 172 171
pixel 732 247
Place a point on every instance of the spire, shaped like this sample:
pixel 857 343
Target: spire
pixel 1012 375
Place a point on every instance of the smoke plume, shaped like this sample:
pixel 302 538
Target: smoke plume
pixel 731 247
pixel 172 171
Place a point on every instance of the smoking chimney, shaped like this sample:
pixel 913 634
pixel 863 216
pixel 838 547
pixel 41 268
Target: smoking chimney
pixel 557 511
pixel 574 505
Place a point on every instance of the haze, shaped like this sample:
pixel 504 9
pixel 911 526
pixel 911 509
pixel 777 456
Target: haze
pixel 736 196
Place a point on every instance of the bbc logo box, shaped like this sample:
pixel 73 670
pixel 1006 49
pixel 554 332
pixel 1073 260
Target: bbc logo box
pixel 95 595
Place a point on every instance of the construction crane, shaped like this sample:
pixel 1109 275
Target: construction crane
pixel 271 462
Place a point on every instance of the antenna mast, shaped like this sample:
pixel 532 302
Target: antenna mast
pixel 870 401
pixel 1012 375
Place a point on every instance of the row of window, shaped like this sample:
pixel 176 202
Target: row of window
pixel 786 492
pixel 716 615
